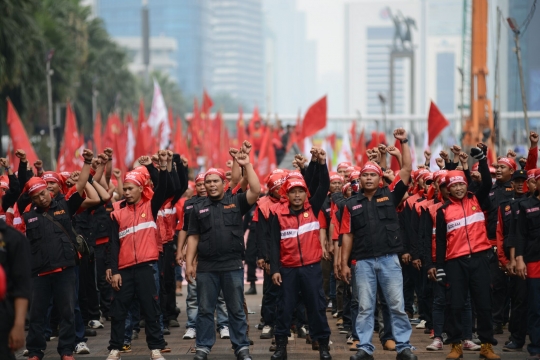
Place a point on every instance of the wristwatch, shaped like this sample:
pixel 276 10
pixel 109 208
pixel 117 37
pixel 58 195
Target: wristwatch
pixel 404 141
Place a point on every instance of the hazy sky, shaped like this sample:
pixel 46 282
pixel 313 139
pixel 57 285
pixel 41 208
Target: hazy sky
pixel 325 25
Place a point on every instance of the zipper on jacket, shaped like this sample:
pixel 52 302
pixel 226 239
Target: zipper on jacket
pixel 298 239
pixel 133 235
pixel 466 231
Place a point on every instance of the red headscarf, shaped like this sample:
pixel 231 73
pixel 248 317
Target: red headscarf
pixel 274 182
pixel 214 171
pixel 334 176
pixel 511 163
pixel 34 186
pixel 371 167
pixel 4 182
pixel 455 177
pixel 139 178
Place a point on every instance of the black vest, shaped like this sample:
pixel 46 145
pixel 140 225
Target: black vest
pixel 500 194
pixel 50 247
pixel 102 222
pixel 374 225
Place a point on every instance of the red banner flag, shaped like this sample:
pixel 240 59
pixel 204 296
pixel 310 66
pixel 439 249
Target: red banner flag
pixel 436 123
pixel 266 162
pixel 315 118
pixel 353 135
pixel 207 103
pixel 19 137
pixel 115 139
pixel 180 142
pixel 69 157
pixel 97 134
pixel 360 150
pixel 240 128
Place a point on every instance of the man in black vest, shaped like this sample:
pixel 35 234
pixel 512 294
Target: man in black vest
pixel 215 236
pixel 54 256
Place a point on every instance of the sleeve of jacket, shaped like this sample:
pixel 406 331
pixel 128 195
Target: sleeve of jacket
pixel 406 216
pixel 440 239
pixel 520 231
pixel 275 243
pixel 500 238
pixel 415 241
pixel 532 158
pixel 427 225
pixel 114 248
pixel 262 236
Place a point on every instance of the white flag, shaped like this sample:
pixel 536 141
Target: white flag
pixel 158 119
pixel 130 146
pixel 345 152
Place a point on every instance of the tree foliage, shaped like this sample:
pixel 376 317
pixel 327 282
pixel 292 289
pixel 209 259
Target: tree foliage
pixel 86 61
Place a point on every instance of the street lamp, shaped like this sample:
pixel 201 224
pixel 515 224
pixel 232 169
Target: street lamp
pixel 515 29
pixel 48 73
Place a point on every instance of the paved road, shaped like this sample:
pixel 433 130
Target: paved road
pixel 297 349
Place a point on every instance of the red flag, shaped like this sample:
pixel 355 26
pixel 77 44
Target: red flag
pixel 97 134
pixel 360 150
pixel 19 137
pixel 353 135
pixel 144 142
pixel 394 164
pixel 240 128
pixel 207 103
pixel 315 118
pixel 267 156
pixel 171 123
pixel 436 123
pixel 295 137
pixel 115 139
pixel 69 157
pixel 180 142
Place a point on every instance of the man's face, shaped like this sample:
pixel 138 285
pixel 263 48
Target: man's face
pixel 517 184
pixel 214 186
pixel 132 193
pixel 297 196
pixel 369 181
pixel 275 193
pixel 42 199
pixel 335 186
pixel 53 187
pixel 201 189
pixel 341 172
pixel 228 175
pixel 503 173
pixel 444 191
pixel 458 190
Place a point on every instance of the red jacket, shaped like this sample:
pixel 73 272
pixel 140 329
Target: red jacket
pixel 138 234
pixel 300 240
pixel 466 228
pixel 166 222
pixel 14 218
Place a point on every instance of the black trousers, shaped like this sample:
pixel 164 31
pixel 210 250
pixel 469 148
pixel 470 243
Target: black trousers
pixel 410 280
pixel 308 280
pixel 136 281
pixel 60 287
pixel 327 267
pixel 519 307
pixel 105 289
pixel 269 300
pixel 88 292
pixel 425 298
pixel 5 351
pixel 472 274
pixel 251 257
pixel 500 283
pixel 167 294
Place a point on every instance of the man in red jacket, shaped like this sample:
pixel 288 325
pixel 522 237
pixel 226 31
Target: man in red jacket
pixel 463 255
pixel 295 259
pixel 134 251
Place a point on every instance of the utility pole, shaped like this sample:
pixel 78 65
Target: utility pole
pixel 49 73
pixel 382 99
pixel 515 29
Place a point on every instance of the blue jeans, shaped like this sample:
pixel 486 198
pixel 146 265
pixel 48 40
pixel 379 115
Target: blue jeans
pixel 192 306
pixel 385 271
pixel 209 285
pixel 132 320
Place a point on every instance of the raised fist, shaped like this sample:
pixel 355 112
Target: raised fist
pixel 104 158
pixel 246 147
pixel 242 159
pixel 427 155
pixel 400 134
pixel 444 155
pixel 511 154
pixel 117 173
pixel 394 151
pixel 21 154
pixel 534 138
pixel 38 164
pixel 155 159
pixel 382 149
pixel 233 152
pixel 463 157
pixel 95 163
pixel 456 150
pixel 184 160
pixel 144 160
pixel 440 162
pixel 88 155
pixel 108 152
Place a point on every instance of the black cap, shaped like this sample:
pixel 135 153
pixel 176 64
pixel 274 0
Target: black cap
pixel 519 174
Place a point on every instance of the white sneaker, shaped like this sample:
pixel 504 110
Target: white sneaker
pixel 95 324
pixel 469 345
pixel 191 333
pixel 81 348
pixel 156 355
pixel 350 340
pixel 436 345
pixel 224 333
pixel 114 355
pixel 421 325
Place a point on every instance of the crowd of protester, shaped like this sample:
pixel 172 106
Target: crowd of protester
pixel 455 252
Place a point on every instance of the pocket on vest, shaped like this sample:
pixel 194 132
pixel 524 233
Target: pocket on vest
pixel 392 235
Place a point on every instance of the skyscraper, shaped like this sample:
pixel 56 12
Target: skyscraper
pixel 188 22
pixel 238 51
